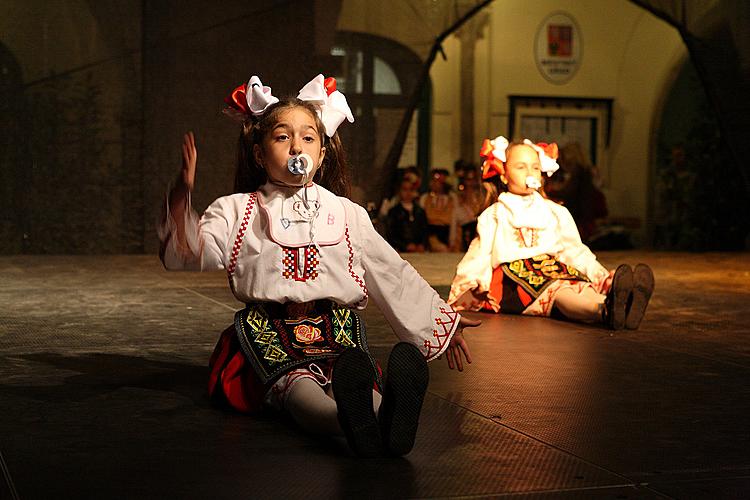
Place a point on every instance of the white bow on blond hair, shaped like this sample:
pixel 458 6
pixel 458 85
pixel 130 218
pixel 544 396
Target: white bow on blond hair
pixel 549 165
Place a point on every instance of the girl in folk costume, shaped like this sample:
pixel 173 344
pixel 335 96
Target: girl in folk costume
pixel 303 258
pixel 528 257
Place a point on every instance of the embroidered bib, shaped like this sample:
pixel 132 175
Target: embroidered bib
pixel 290 218
pixel 529 211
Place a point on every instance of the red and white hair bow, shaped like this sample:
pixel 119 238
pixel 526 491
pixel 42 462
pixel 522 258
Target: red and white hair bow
pixel 547 155
pixel 332 106
pixel 493 152
pixel 249 99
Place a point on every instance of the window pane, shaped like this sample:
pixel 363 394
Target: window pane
pixel 386 81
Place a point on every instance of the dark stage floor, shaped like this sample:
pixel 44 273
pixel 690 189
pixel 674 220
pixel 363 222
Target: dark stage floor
pixel 102 395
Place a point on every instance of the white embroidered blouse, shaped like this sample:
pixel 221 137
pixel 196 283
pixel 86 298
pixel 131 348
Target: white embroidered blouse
pixel 263 241
pixel 520 227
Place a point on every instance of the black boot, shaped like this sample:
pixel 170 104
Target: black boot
pixel 352 381
pixel 616 303
pixel 405 387
pixel 643 287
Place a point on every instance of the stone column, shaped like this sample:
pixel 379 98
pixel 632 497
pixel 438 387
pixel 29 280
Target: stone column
pixel 468 35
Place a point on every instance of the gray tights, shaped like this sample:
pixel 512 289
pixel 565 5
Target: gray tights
pixel 314 408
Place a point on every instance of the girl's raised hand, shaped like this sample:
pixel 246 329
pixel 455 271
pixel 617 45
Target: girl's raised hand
pixel 189 160
pixel 458 345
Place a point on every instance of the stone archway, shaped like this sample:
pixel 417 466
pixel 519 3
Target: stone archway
pixel 378 76
pixel 715 36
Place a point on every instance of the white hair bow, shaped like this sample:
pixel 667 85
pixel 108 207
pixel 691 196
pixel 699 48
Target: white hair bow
pixel 548 161
pixel 499 145
pixel 251 98
pixel 332 106
pixel 259 97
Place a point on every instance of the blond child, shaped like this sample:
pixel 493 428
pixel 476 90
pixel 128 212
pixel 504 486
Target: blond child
pixel 528 257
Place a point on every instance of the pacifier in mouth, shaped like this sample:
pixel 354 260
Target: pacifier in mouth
pixel 299 164
pixel 532 182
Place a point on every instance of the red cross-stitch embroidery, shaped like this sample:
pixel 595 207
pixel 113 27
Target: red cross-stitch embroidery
pixel 442 331
pixel 359 280
pixel 290 264
pixel 241 233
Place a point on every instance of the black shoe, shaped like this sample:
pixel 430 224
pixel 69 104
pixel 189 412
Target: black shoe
pixel 616 303
pixel 405 386
pixel 352 382
pixel 643 287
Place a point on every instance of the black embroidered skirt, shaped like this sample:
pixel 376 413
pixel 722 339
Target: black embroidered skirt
pixel 515 285
pixel 275 344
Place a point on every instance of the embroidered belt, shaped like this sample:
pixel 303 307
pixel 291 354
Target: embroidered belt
pixel 275 344
pixel 536 273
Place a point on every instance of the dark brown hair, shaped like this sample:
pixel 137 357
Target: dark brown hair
pixel 333 173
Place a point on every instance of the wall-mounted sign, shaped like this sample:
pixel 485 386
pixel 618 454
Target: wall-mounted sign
pixel 558 47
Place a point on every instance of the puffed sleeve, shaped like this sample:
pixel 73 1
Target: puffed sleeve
pixel 207 239
pixel 474 272
pixel 574 251
pixel 411 306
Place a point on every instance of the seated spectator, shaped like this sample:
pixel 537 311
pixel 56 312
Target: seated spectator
pixel 440 206
pixel 469 206
pixel 410 174
pixel 574 187
pixel 406 227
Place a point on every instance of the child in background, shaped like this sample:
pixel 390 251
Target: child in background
pixel 528 257
pixel 406 229
pixel 303 258
pixel 408 174
pixel 439 204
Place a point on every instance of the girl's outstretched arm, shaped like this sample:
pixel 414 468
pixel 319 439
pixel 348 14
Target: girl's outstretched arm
pixel 458 345
pixel 189 160
pixel 193 242
pixel 178 196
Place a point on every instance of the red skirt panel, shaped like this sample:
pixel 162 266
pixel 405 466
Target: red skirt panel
pixel 233 380
pixel 231 376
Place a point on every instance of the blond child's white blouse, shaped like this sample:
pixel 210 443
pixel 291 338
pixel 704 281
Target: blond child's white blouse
pixel 263 242
pixel 520 227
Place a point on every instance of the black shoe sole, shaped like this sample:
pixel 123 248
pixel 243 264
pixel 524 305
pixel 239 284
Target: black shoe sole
pixel 405 388
pixel 352 382
pixel 643 287
pixel 622 286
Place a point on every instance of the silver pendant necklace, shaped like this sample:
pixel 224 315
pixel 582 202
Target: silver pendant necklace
pixel 306 209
